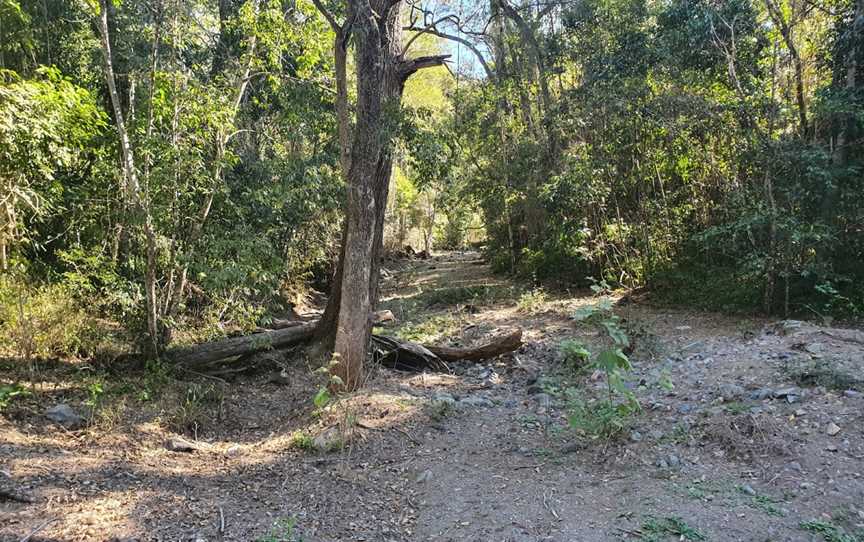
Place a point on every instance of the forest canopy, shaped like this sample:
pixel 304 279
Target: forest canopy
pixel 180 168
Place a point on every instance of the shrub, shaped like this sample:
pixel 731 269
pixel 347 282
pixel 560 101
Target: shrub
pixel 44 322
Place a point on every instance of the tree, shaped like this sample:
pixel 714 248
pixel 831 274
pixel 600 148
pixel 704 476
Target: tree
pixel 381 71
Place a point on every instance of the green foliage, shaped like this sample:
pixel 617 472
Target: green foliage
pixel 45 322
pixel 831 532
pixel 532 301
pixel 283 530
pixel 575 354
pixel 45 124
pixel 675 528
pixel 608 417
pixel 10 391
pixel 198 405
pixel 301 441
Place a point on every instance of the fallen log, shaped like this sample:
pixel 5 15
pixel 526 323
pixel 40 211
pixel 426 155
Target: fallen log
pixel 495 347
pixel 407 355
pixel 396 354
pixel 203 354
pixel 410 356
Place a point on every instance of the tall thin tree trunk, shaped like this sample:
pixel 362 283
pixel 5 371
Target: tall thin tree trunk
pixel 133 189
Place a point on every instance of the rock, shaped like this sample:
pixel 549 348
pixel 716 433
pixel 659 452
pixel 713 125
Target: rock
pixel 788 327
pixel 474 401
pixel 64 415
pixel 815 348
pixel 656 434
pixel 424 477
pixel 762 394
pixel 281 378
pixel 832 429
pixel 233 451
pixel 795 466
pixel 670 461
pixel 331 439
pixel 684 409
pixel 636 436
pixel 747 489
pixel 731 392
pixel 790 394
pixel 831 448
pixel 851 394
pixel 444 399
pixel 178 444
pixel 543 400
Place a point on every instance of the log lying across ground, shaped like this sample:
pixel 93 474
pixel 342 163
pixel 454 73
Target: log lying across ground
pixel 396 354
pixel 497 346
pixel 202 354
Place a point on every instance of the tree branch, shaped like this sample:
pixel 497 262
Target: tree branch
pixel 327 15
pixel 412 66
pixel 471 47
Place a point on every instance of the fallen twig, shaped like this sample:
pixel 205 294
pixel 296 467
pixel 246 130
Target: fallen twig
pixel 38 528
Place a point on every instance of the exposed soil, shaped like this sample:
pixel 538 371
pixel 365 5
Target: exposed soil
pixel 761 439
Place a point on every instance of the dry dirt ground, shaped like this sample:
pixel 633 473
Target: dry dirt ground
pixel 761 439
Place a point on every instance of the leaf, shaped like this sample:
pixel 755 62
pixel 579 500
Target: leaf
pixel 321 398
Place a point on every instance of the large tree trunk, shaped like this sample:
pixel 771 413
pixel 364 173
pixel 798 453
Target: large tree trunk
pixel 381 74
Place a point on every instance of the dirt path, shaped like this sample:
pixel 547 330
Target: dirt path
pixel 743 448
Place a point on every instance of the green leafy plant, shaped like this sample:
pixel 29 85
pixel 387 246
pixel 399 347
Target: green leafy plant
pixel 532 301
pixel 831 532
pixel 607 417
pixel 9 392
pixel 575 354
pixel 282 531
pixel 658 529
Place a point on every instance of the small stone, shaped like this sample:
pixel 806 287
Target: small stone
pixel 64 415
pixel 534 389
pixel 177 444
pixel 851 394
pixel 832 429
pixel 475 402
pixel 663 464
pixel 233 451
pixel 794 466
pixel 543 400
pixel 788 327
pixel 330 439
pixel 831 448
pixel 636 436
pixel 444 399
pixel 424 477
pixel 281 378
pixel 655 434
pixel 815 348
pixel 673 461
pixel 790 394
pixel 684 408
pixel 747 489
pixel 762 394
pixel 731 392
